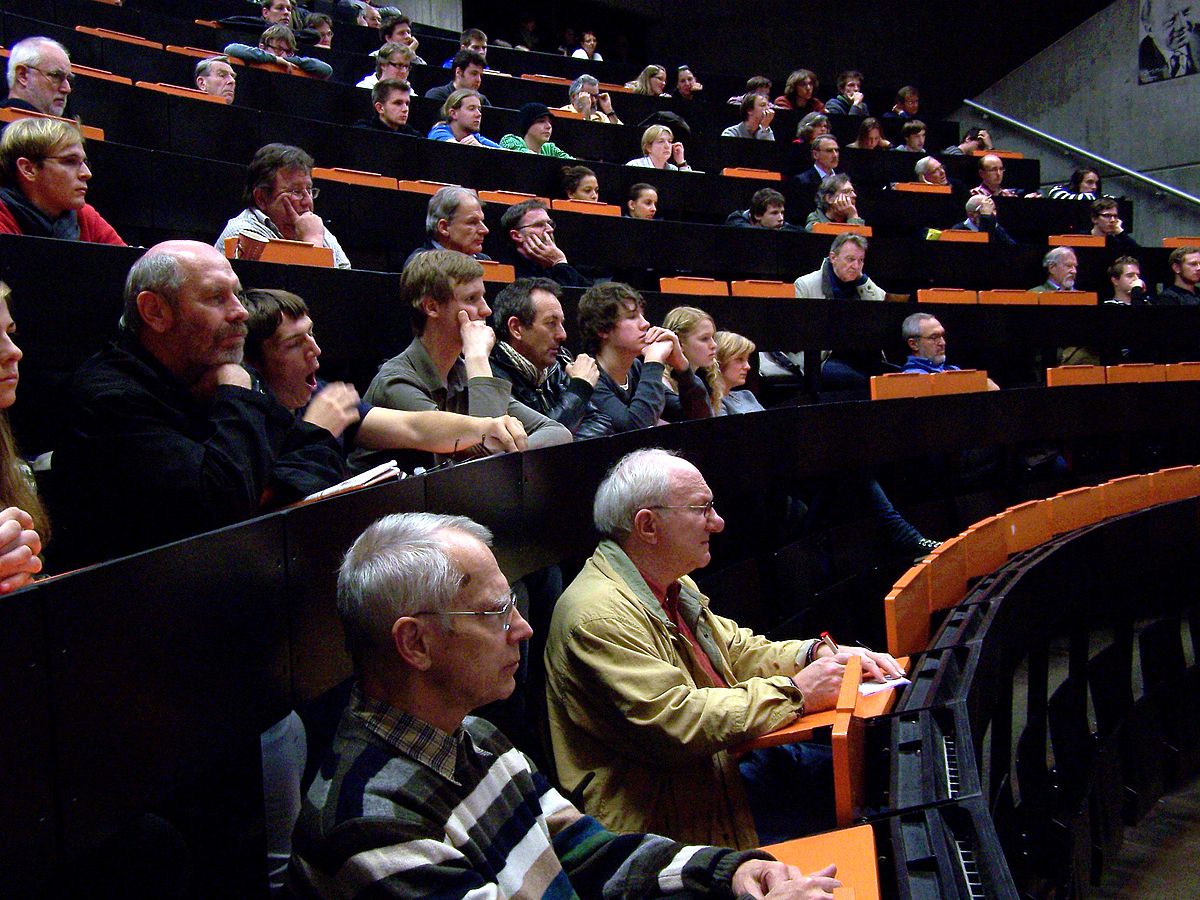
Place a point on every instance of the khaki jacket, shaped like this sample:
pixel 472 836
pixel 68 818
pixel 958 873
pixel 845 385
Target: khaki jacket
pixel 626 702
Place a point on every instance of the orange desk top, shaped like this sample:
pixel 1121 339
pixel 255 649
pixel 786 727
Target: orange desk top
pixel 852 849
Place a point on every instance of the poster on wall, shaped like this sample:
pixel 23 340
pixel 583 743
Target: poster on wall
pixel 1168 40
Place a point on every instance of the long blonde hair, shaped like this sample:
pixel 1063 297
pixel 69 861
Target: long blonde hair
pixel 730 345
pixel 642 84
pixel 16 483
pixel 683 320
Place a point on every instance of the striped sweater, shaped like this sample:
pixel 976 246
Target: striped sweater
pixel 401 809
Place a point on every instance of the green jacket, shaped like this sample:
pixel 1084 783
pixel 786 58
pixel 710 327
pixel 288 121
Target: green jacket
pixel 624 703
pixel 515 142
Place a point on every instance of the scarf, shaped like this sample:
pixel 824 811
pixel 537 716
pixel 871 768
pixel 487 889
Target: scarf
pixel 527 369
pixel 33 221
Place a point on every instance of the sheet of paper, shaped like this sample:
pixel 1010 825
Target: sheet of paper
pixel 867 688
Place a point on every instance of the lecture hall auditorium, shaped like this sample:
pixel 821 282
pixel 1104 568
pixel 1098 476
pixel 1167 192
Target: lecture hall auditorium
pixel 1051 640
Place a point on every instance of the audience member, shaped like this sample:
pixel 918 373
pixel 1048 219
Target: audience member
pixel 912 137
pixel 661 151
pixel 811 127
pixel 279 199
pixel 983 216
pixel 930 170
pixel 652 82
pixel 529 352
pixel 849 100
pixel 589 101
pixel 587 48
pixel 642 202
pixel 579 183
pixel 976 139
pixel 1128 288
pixel 825 157
pixel 216 76
pixel 166 432
pixel 44 179
pixel 468 75
pixel 24 527
pixel 687 88
pixel 1185 264
pixel 454 220
pixel 534 251
pixel 836 201
pixel 767 209
pixel 908 102
pixel 368 16
pixel 1106 223
pixel 397 29
pixel 1061 268
pixel 755 84
pixel 649 690
pixel 393 61
pixel 926 341
pixel 462 116
pixel 322 26
pixel 870 136
pixel 280 345
pixel 391 99
pixel 535 126
pixel 633 358
pixel 1083 185
pixel 991 180
pixel 39 76
pixel 799 93
pixel 733 366
pixel 471 39
pixel 278 45
pixel 696 330
pixel 277 12
pixel 446 365
pixel 434 632
pixel 757 115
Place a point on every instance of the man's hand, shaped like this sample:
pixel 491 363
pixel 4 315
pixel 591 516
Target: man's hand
pixel 19 549
pixel 605 103
pixel 306 226
pixel 541 249
pixel 821 681
pixel 503 434
pixel 677 153
pixel 875 666
pixel 471 139
pixel 987 207
pixel 335 408
pixel 762 878
pixel 227 373
pixel 842 209
pixel 662 346
pixel 768 117
pixel 477 337
pixel 586 103
pixel 856 98
pixel 985 140
pixel 584 367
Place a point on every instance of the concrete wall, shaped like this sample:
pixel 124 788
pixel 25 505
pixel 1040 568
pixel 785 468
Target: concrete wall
pixel 439 13
pixel 1084 89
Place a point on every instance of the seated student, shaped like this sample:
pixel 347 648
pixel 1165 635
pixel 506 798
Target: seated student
pixel 471 39
pixel 397 29
pixel 975 139
pixel 579 183
pixel 281 346
pixel 696 332
pixel 586 98
pixel 535 127
pixel 661 151
pixel 392 61
pixel 23 523
pixel 454 220
pixel 908 101
pixel 991 180
pixel 733 367
pixel 279 199
pixel 756 84
pixel 1106 223
pixel 216 76
pixel 533 251
pixel 642 202
pixel 278 45
pixel 836 201
pixel 462 115
pixel 799 93
pixel 870 136
pixel 1084 184
pixel 446 366
pixel 392 99
pixel 1128 288
pixel 983 216
pixel 322 26
pixel 912 137
pixel 767 209
pixel 849 100
pixel 652 82
pixel 757 116
pixel 468 75
pixel 633 357
pixel 44 178
pixel 1182 291
pixel 926 340
pixel 587 48
pixel 689 93
pixel 811 127
pixel 39 77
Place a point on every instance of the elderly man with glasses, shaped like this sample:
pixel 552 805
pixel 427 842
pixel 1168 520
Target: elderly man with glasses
pixel 279 199
pixel 589 101
pixel 534 252
pixel 39 77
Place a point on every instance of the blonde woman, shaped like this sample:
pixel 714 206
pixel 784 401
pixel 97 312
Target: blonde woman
pixel 652 82
pixel 695 329
pixel 733 367
pixel 661 151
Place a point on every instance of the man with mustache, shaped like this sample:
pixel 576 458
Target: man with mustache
pixel 166 432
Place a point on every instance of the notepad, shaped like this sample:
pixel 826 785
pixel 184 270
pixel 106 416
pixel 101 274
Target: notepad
pixel 867 688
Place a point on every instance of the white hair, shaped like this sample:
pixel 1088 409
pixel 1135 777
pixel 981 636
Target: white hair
pixel 28 53
pixel 1056 255
pixel 639 480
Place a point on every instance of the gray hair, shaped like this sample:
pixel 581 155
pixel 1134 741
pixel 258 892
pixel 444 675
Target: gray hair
pixel 911 327
pixel 28 53
pixel 443 205
pixel 924 164
pixel 639 480
pixel 204 67
pixel 830 185
pixel 1056 255
pixel 847 237
pixel 822 138
pixel 156 271
pixel 580 83
pixel 398 567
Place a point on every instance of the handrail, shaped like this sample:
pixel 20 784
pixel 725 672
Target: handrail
pixel 1063 145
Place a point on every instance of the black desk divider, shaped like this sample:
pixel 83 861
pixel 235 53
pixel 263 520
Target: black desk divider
pixel 932 758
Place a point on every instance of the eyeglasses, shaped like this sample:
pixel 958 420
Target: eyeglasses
pixel 58 76
pixel 1108 215
pixel 546 223
pixel 703 508
pixel 70 161
pixel 301 193
pixel 502 615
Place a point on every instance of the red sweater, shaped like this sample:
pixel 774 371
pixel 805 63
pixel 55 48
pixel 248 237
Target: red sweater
pixel 92 227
